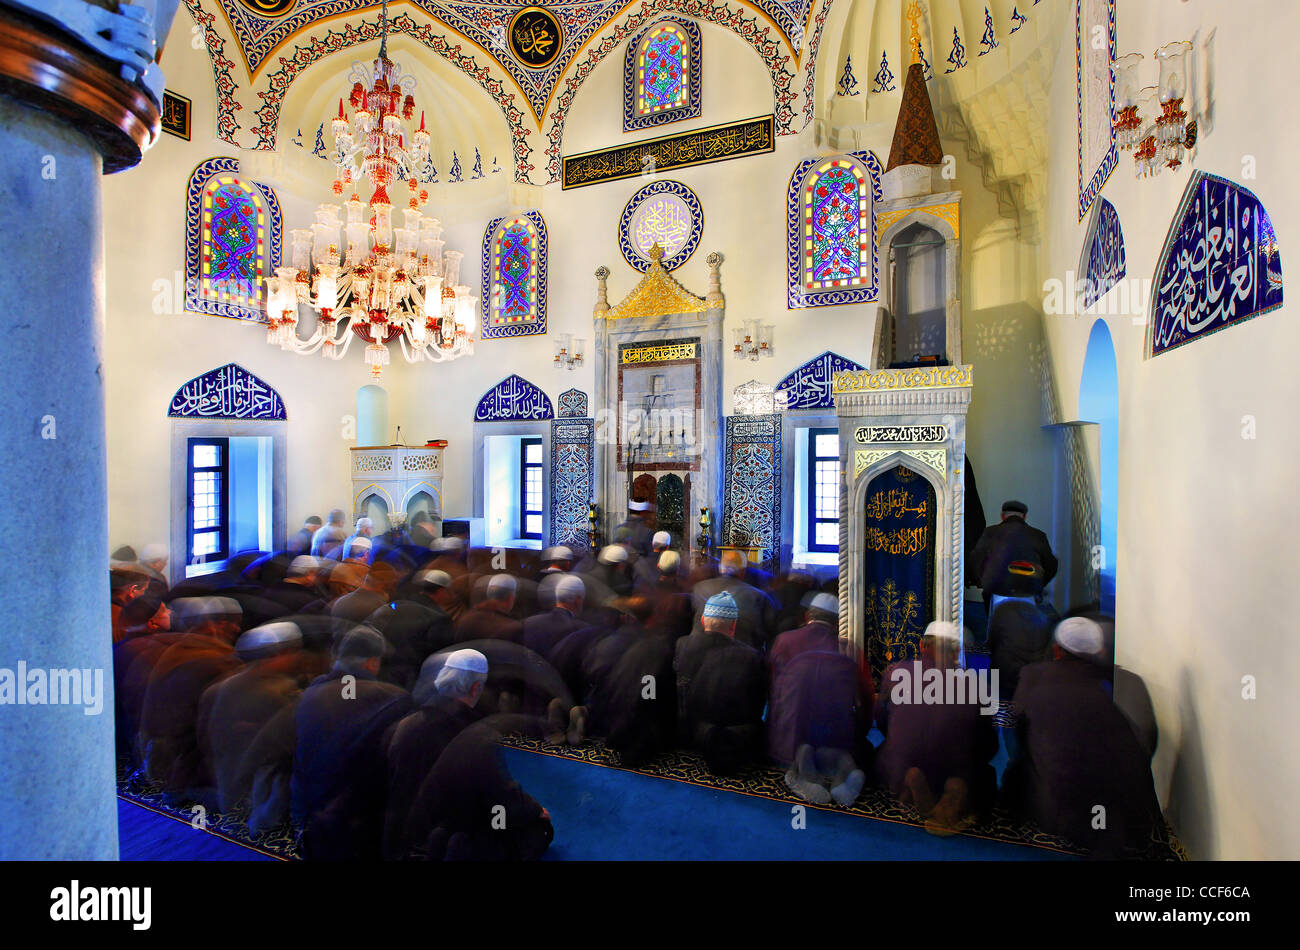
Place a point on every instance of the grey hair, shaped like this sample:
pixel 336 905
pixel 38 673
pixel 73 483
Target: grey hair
pixel 455 684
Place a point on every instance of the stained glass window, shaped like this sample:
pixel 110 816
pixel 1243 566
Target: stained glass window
pixel 663 69
pixel 514 273
pixel 836 232
pixel 233 244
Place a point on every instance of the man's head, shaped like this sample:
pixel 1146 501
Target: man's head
pixel 501 592
pixel 154 556
pixel 303 569
pixel 126 582
pixel 669 563
pixel 381 579
pixel 436 585
pixel 420 517
pixel 345 578
pixel 312 524
pixel 147 611
pixel 462 676
pixel 732 563
pixel 612 555
pixel 558 558
pixel 942 641
pixel 360 548
pixel 720 614
pixel 275 645
pixel 570 593
pixel 1014 509
pixel 824 608
pixel 365 527
pixel 336 516
pixel 1079 637
pixel 217 617
pixel 661 541
pixel 361 650
pixel 639 509
pixel 448 546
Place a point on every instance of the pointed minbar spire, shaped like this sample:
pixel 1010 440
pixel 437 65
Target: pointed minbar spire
pixel 916 136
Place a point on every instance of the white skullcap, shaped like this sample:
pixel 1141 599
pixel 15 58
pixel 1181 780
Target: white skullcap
pixel 501 585
pixel 569 587
pixel 661 539
pixel 470 660
pixel 827 604
pixel 269 639
pixel 942 630
pixel 1080 636
pixel 669 562
pixel 301 565
pixel 153 552
pixel 191 611
pixel 436 578
pixel 639 506
pixel 613 554
pixel 558 553
pixel 364 523
pixel 447 544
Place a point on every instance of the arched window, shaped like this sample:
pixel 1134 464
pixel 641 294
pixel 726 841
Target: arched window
pixel 661 75
pixel 514 276
pixel 832 230
pixel 232 241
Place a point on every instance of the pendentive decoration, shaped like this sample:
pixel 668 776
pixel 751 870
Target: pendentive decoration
pixel 535 37
pixel 513 399
pixel 227 392
pixel 810 385
pixel 1220 265
pixel 1103 262
pixel 666 213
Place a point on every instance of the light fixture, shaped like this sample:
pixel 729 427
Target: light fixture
pixel 753 340
pixel 1152 120
pixel 568 351
pixel 362 274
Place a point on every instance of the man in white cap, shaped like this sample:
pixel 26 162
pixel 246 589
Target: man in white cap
pixel 299 586
pixel 337 791
pixel 645 572
pixel 415 626
pixel 324 541
pixel 364 529
pixel 819 632
pixel 672 616
pixel 413 744
pixel 556 560
pixel 491 619
pixel 1079 751
pixel 757 618
pixel 937 749
pixel 245 725
pixel 635 531
pixel 543 631
pixel 611 577
pixel 153 559
pixel 721 689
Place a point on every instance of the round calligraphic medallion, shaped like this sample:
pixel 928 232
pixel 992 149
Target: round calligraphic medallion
pixel 666 213
pixel 269 7
pixel 535 37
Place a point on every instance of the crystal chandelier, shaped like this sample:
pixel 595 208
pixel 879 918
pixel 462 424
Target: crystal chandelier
pixel 362 274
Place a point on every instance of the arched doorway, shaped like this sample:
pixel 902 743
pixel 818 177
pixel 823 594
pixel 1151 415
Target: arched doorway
pixel 1099 404
pixel 918 264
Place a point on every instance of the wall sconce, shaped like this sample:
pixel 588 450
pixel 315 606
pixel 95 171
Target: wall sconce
pixel 753 340
pixel 568 351
pixel 1151 120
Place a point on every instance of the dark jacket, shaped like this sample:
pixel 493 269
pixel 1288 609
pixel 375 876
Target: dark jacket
pixel 719 681
pixel 638 716
pixel 1007 541
pixel 757 620
pixel 482 623
pixel 544 630
pixel 1019 634
pixel 414 629
pixel 813 636
pixel 816 700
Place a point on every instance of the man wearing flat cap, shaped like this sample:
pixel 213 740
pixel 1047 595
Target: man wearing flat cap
pixel 1012 559
pixel 245 725
pixel 1079 750
pixel 721 689
pixel 338 770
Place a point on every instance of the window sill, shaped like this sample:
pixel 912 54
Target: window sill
pixel 822 558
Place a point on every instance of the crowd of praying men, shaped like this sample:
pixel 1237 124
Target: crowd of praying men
pixel 359 687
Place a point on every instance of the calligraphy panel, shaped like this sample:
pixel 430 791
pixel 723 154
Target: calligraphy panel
pixel 573 480
pixel 831 247
pixel 666 213
pixel 1095 93
pixel 1103 262
pixel 702 147
pixel 514 398
pixel 661 74
pixel 1220 265
pixel 515 265
pixel 809 386
pixel 228 392
pixel 751 510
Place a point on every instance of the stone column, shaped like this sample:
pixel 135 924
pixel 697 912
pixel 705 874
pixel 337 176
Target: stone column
pixel 65 119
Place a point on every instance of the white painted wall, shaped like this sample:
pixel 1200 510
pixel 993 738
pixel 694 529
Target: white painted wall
pixel 1207 518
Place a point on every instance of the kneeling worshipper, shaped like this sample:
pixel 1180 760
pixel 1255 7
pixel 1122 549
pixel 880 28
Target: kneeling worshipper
pixel 415 627
pixel 544 630
pixel 245 726
pixel 1079 751
pixel 721 689
pixel 491 619
pixel 936 755
pixel 635 701
pixel 339 768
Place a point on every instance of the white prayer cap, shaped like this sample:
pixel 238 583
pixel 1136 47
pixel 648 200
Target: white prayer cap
pixel 826 603
pixel 569 587
pixel 1080 636
pixel 302 565
pixel 557 553
pixel 153 552
pixel 269 639
pixel 436 578
pixel 470 660
pixel 661 539
pixel 192 611
pixel 669 562
pixel 364 524
pixel 501 585
pixel 942 630
pixel 613 554
pixel 447 544
pixel 639 506
pixel 360 544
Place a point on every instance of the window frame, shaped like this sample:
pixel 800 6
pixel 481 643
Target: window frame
pixel 524 467
pixel 222 530
pixel 688 31
pixel 810 500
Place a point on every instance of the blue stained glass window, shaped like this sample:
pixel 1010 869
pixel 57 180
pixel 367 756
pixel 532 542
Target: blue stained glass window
pixel 233 243
pixel 663 70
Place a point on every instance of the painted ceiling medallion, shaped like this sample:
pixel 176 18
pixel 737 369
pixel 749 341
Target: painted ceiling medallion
pixel 268 7
pixel 535 37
